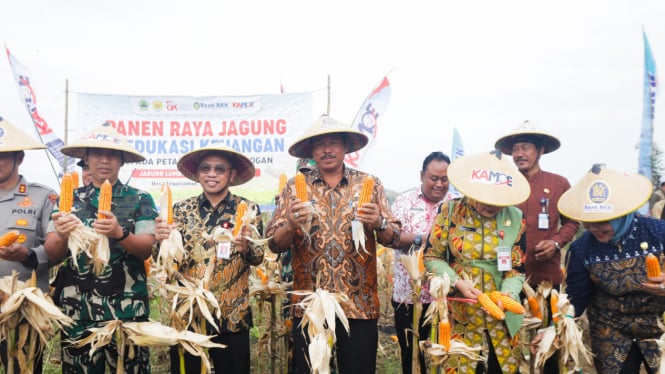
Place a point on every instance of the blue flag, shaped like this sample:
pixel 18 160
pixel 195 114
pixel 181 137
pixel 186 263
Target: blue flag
pixel 650 89
pixel 458 151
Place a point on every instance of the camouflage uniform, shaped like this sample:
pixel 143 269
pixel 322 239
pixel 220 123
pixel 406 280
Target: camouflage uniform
pixel 120 292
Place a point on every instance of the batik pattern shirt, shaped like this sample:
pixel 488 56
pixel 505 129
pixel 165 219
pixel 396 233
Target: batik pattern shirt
pixel 326 252
pixel 416 214
pixel 605 280
pixel 466 242
pixel 195 217
pixel 120 291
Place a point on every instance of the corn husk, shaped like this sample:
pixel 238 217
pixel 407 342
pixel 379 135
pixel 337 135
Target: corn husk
pixel 438 355
pixel 35 315
pixel 193 303
pixel 147 334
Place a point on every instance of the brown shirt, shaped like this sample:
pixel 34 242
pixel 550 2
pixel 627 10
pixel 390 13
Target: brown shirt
pixel 547 186
pixel 329 253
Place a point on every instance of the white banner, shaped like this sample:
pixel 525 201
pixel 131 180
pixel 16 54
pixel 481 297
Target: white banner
pixel 162 128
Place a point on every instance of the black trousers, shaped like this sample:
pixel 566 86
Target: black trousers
pixel 355 354
pixel 232 359
pixel 37 366
pixel 404 322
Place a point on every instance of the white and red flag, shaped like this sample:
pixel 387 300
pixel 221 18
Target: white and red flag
pixel 27 95
pixel 367 119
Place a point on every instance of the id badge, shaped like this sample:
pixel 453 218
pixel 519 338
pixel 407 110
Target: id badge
pixel 224 250
pixel 503 258
pixel 543 221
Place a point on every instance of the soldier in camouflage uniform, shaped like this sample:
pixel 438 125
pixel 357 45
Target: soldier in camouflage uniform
pixel 217 168
pixel 120 291
pixel 25 207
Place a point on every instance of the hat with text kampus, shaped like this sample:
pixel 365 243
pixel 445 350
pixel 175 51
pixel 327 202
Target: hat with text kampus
pixel 527 132
pixel 189 163
pixel 13 140
pixel 103 137
pixel 604 194
pixel 324 125
pixel 489 178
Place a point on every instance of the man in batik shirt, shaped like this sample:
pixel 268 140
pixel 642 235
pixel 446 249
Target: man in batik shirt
pixel 319 234
pixel 216 169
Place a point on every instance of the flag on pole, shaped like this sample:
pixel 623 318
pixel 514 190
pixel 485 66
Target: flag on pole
pixel 457 151
pixel 367 119
pixel 27 94
pixel 650 90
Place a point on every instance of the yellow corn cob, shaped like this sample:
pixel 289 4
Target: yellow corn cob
pixel 534 305
pixel 653 266
pixel 282 183
pixel 507 302
pixel 301 186
pixel 241 209
pixel 105 196
pixel 75 179
pixel 262 275
pixel 169 203
pixel 380 251
pixel 444 334
pixel 366 191
pixel 9 238
pixel 33 279
pixel 554 301
pixel 66 193
pixel 491 308
pixel 146 265
pixel 421 262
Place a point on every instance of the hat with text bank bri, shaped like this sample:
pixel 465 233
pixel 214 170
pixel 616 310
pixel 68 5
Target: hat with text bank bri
pixel 489 178
pixel 325 125
pixel 189 163
pixel 527 132
pixel 14 140
pixel 604 194
pixel 103 137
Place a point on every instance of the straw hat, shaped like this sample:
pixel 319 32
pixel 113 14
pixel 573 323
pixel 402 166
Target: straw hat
pixel 103 137
pixel 302 147
pixel 13 140
pixel 604 194
pixel 527 132
pixel 189 163
pixel 489 178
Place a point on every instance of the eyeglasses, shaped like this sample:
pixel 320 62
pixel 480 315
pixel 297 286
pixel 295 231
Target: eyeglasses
pixel 219 169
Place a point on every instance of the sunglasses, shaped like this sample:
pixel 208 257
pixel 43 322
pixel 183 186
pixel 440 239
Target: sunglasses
pixel 219 169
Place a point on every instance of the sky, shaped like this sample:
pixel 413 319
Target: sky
pixel 573 68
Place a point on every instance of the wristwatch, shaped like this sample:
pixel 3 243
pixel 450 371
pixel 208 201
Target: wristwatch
pixel 31 261
pixel 556 244
pixel 384 224
pixel 418 241
pixel 125 234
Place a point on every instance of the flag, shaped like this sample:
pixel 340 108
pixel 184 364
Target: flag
pixel 367 119
pixel 650 89
pixel 457 151
pixel 27 94
pixel 458 147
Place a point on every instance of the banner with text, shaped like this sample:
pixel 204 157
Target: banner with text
pixel 163 128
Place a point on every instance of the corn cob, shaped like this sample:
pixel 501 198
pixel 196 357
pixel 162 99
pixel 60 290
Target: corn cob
pixel 241 209
pixel 262 275
pixel 444 334
pixel 366 191
pixel 146 265
pixel 66 193
pixel 491 308
pixel 105 196
pixel 554 301
pixel 653 266
pixel 282 183
pixel 166 203
pixel 75 179
pixel 301 186
pixel 9 238
pixel 421 262
pixel 380 251
pixel 507 302
pixel 534 305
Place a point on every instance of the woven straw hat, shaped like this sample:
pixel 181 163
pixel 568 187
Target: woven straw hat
pixel 189 163
pixel 527 132
pixel 103 137
pixel 604 194
pixel 302 147
pixel 13 140
pixel 489 178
